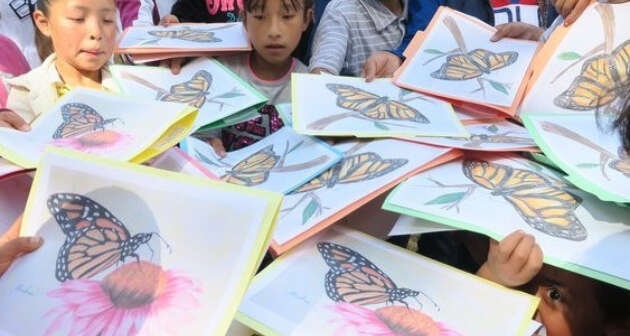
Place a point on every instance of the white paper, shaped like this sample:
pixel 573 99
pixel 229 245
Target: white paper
pixel 407 225
pixel 596 239
pixel 290 296
pixel 568 66
pixel 175 160
pixel 203 83
pixel 335 191
pixel 350 106
pixel 204 262
pixel 206 36
pixel 497 87
pixel 127 126
pixel 280 162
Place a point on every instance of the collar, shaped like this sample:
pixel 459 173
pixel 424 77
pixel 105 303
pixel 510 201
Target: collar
pixel 380 15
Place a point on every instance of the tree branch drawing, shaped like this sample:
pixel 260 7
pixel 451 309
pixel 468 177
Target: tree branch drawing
pixel 322 123
pixel 463 51
pixel 604 154
pixel 186 33
pixel 164 93
pixel 607 16
pixel 450 200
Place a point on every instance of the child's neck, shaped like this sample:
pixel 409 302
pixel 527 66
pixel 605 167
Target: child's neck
pixel 74 77
pixel 269 71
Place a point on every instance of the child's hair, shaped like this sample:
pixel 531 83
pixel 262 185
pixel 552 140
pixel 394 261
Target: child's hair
pixel 42 42
pixel 622 123
pixel 252 5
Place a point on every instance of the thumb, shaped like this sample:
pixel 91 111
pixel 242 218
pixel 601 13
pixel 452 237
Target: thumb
pixel 18 246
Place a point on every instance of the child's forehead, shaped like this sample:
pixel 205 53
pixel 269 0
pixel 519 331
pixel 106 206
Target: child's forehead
pixel 286 5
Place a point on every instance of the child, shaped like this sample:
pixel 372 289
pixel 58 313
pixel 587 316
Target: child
pixel 274 28
pixel 351 30
pixel 82 33
pixel 571 304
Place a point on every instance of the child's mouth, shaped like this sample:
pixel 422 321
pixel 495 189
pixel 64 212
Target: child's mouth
pixel 93 52
pixel 274 47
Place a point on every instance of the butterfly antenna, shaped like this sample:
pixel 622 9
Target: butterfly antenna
pixel 168 246
pixel 430 299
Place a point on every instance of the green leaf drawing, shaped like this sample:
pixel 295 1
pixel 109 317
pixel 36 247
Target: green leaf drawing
pixel 587 165
pixel 309 211
pixel 499 87
pixel 231 94
pixel 433 51
pixel 493 128
pixel 569 56
pixel 447 198
pixel 147 42
pixel 381 126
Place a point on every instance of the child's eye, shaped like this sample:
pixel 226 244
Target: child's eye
pixel 554 294
pixel 76 19
pixel 288 16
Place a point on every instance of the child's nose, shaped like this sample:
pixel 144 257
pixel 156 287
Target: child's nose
pixel 274 31
pixel 95 30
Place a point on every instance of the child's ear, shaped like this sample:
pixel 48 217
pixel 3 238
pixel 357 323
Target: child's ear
pixel 42 23
pixel 308 17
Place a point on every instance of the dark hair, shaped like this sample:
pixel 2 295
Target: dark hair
pixel 252 5
pixel 42 42
pixel 622 123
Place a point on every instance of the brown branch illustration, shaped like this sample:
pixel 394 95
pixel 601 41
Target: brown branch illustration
pixel 452 26
pixel 604 155
pixel 608 24
pixel 448 53
pixel 356 147
pixel 567 133
pixel 470 189
pixel 301 166
pixel 608 21
pixel 322 123
pixel 143 82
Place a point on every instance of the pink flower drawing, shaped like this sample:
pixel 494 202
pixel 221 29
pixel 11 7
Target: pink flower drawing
pixel 386 321
pixel 94 142
pixel 138 298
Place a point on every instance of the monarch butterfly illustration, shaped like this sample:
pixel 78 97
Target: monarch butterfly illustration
pixel 352 278
pixel 95 238
pixel 541 201
pixel 192 92
pixel 79 119
pixel 373 106
pixel 601 81
pixel 474 64
pixel 254 169
pixel 187 34
pixel 354 168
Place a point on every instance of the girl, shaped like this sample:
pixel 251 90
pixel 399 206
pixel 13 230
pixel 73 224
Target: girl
pixel 274 28
pixel 82 34
pixel 571 304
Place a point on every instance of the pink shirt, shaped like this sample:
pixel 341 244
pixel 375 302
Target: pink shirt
pixel 12 64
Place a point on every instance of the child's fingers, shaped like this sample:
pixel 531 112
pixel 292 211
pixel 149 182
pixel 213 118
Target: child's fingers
pixel 502 31
pixel 508 244
pixel 522 252
pixel 176 65
pixel 18 246
pixel 369 69
pixel 11 119
pixel 218 147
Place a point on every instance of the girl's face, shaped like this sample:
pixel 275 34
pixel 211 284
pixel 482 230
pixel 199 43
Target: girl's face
pixel 83 32
pixel 275 28
pixel 552 310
